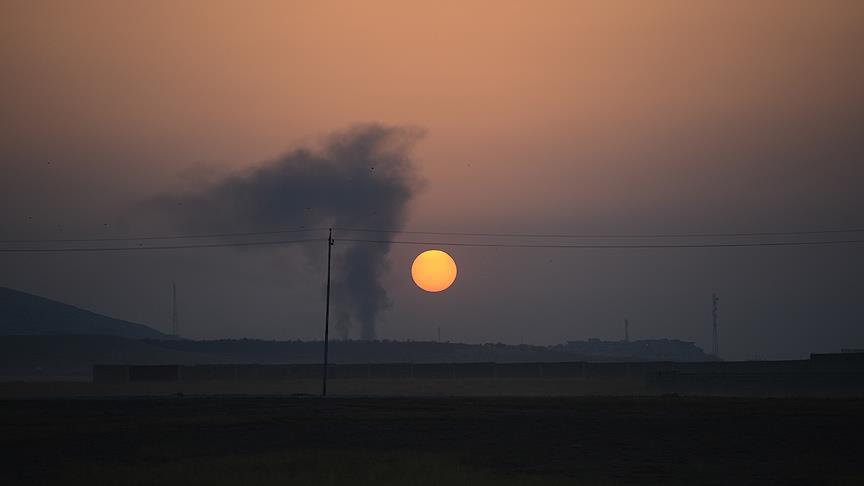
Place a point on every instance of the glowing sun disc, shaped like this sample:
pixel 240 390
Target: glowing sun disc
pixel 433 270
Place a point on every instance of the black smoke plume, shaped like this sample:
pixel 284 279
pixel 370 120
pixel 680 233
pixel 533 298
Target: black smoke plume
pixel 361 177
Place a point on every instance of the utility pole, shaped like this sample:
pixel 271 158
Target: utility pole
pixel 439 334
pixel 175 324
pixel 327 312
pixel 715 345
pixel 626 331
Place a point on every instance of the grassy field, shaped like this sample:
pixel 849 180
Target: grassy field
pixel 519 441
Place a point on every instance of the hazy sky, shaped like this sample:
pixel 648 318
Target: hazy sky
pixel 553 117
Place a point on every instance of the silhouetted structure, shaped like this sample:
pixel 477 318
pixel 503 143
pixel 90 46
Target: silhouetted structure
pixel 327 314
pixel 715 345
pixel 642 350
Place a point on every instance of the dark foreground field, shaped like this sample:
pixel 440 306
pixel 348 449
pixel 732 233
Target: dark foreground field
pixel 439 441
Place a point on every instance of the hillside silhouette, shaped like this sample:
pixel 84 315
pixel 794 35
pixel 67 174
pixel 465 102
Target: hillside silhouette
pixel 73 356
pixel 45 339
pixel 23 314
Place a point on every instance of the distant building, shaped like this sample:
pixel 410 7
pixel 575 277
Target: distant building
pixel 643 350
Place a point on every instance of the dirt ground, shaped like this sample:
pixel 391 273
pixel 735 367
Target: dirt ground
pixel 492 440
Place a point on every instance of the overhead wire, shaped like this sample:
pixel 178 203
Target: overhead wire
pixel 437 243
pixel 606 235
pixel 162 247
pixel 616 247
pixel 438 233
pixel 167 237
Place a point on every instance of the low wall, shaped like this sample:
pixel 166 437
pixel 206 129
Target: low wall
pixel 230 372
pixel 821 374
pixel 123 373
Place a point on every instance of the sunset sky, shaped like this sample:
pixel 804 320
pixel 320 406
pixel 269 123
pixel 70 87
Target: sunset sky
pixel 536 117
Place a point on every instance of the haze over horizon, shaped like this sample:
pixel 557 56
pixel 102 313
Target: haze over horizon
pixel 562 117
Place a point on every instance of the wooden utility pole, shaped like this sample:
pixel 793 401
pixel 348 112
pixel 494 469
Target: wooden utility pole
pixel 327 314
pixel 715 345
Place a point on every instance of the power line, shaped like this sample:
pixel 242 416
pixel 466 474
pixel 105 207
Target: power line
pixel 607 235
pixel 442 233
pixel 168 237
pixel 437 243
pixel 171 247
pixel 611 247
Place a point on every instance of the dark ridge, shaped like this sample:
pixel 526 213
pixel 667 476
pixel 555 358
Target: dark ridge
pixel 23 314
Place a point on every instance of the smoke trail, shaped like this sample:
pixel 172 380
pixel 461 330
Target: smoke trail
pixel 360 177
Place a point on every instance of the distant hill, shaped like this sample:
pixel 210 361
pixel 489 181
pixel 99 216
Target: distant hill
pixel 23 314
pixel 385 351
pixel 42 339
pixel 72 357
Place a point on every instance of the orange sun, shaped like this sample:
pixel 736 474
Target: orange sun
pixel 433 271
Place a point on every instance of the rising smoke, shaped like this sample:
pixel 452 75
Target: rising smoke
pixel 361 177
